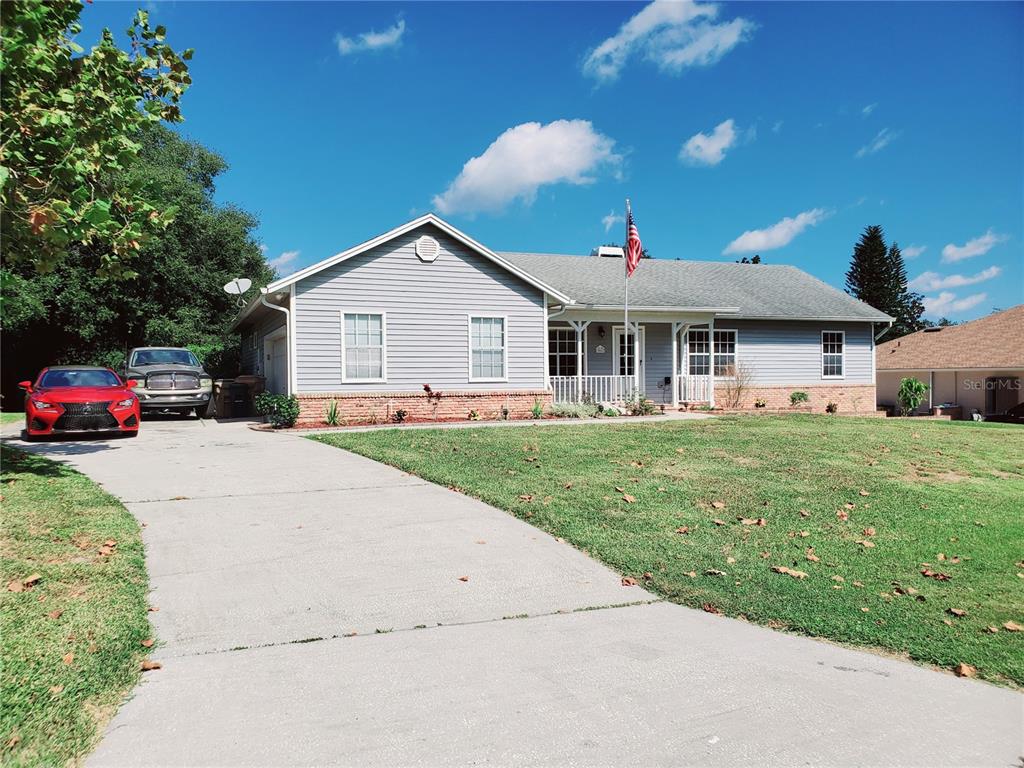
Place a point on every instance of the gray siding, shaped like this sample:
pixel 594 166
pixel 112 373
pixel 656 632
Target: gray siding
pixel 426 304
pixel 253 354
pixel 778 352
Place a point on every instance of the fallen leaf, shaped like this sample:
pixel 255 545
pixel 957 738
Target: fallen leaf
pixel 789 572
pixel 935 575
pixel 718 504
pixel 683 529
pixel 765 555
pixel 680 450
pixel 992 630
pixel 940 557
pixel 947 622
pixel 110 543
pixel 864 493
pixel 147 643
pixel 965 670
pixel 809 554
pixel 153 609
pixel 1013 626
pixel 32 580
pixel 958 612
pixel 714 572
pixel 567 486
pixel 865 610
pixel 637 464
pixel 661 490
pixel 648 576
pixel 105 550
pixel 526 497
pixel 730 560
pixel 842 514
pixel 869 531
pixel 716 521
pixel 628 499
pixel 55 614
pixel 628 581
pixel 148 665
pixel 858 583
pixel 865 543
pixel 848 505
pixel 56 689
pixel 692 574
pixel 620 489
pixel 837 577
pixel 804 534
pixel 463 578
pixel 69 659
pixel 804 513
pixel 16 586
pixel 711 608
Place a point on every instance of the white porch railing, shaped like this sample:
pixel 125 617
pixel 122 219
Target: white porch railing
pixel 694 389
pixel 598 389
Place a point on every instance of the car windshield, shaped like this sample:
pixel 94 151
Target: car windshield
pixel 82 377
pixel 164 357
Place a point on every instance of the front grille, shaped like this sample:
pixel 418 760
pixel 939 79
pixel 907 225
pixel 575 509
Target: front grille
pixel 38 424
pixel 85 417
pixel 131 421
pixel 172 381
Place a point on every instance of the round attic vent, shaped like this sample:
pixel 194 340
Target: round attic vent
pixel 427 248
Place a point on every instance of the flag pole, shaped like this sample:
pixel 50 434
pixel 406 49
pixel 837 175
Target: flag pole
pixel 625 285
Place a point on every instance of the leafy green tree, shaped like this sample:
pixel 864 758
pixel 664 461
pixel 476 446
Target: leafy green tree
pixel 80 315
pixel 878 276
pixel 910 395
pixel 70 123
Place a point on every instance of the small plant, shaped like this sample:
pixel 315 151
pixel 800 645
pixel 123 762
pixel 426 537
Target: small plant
pixel 279 410
pixel 574 410
pixel 795 398
pixel 638 405
pixel 504 413
pixel 538 408
pixel 434 398
pixel 610 412
pixel 910 395
pixel 474 416
pixel 331 418
pixel 760 403
pixel 399 416
pixel 832 408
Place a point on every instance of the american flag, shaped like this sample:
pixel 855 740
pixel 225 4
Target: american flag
pixel 634 248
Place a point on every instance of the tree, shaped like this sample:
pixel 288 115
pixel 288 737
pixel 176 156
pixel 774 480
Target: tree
pixel 755 260
pixel 79 315
pixel 878 276
pixel 910 395
pixel 70 123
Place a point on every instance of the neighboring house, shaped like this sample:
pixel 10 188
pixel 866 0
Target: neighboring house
pixel 427 304
pixel 978 366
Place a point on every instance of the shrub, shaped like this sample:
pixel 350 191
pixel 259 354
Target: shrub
pixel 611 412
pixel 638 405
pixel 331 417
pixel 474 416
pixel 399 416
pixel 910 395
pixel 280 410
pixel 574 410
pixel 832 408
pixel 795 398
pixel 538 408
pixel 760 403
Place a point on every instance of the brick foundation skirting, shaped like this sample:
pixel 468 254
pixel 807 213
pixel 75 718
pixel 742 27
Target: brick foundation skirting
pixel 851 398
pixel 456 405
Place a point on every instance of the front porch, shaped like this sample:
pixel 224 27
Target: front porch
pixel 668 360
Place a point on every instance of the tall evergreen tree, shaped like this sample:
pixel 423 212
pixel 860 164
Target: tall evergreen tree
pixel 878 276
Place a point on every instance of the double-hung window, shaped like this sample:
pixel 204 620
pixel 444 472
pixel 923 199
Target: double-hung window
pixel 364 355
pixel 562 352
pixel 487 349
pixel 699 352
pixel 833 350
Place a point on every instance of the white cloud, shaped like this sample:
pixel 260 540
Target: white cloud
pixel 946 303
pixel 869 109
pixel 933 281
pixel 702 149
pixel 674 34
pixel 283 264
pixel 525 158
pixel 884 138
pixel 372 40
pixel 777 235
pixel 611 220
pixel 979 246
pixel 777 126
pixel 913 251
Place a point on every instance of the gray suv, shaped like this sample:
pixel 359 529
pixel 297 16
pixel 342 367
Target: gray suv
pixel 170 379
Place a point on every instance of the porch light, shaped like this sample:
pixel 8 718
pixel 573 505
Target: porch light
pixel 600 331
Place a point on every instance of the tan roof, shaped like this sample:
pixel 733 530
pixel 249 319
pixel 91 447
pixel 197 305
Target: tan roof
pixel 996 341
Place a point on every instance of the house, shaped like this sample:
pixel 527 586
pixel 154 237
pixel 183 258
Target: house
pixel 977 366
pixel 492 331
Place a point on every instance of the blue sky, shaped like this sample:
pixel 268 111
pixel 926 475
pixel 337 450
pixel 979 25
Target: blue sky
pixel 735 128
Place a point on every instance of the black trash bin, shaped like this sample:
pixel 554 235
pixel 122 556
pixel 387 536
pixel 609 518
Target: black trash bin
pixel 239 400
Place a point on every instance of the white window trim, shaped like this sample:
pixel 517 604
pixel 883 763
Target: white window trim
pixel 469 349
pixel 711 351
pixel 383 344
pixel 572 331
pixel 842 355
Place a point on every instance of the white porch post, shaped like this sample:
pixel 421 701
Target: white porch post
pixel 931 389
pixel 675 364
pixel 711 367
pixel 579 326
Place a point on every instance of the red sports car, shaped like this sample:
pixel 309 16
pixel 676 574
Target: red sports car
pixel 80 398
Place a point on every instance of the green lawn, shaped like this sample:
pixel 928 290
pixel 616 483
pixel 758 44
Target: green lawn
pixel 7 417
pixel 861 506
pixel 71 642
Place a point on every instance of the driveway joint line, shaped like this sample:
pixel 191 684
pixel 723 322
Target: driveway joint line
pixel 293 492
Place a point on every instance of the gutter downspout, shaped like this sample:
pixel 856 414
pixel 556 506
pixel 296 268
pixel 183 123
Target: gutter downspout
pixel 881 332
pixel 287 330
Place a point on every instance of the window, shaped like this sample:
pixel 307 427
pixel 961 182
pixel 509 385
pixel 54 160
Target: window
pixel 562 352
pixel 627 347
pixel 163 357
pixel 363 349
pixel 833 348
pixel 486 349
pixel 699 354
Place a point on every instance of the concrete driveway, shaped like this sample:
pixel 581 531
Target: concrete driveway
pixel 312 611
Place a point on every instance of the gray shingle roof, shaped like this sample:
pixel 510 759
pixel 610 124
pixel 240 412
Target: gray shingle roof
pixel 758 290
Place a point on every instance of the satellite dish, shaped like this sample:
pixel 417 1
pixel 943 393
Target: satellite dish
pixel 237 287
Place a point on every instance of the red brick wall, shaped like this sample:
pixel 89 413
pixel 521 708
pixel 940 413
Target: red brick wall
pixel 851 398
pixel 379 407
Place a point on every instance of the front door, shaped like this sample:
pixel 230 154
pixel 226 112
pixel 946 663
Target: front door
pixel 276 350
pixel 623 361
